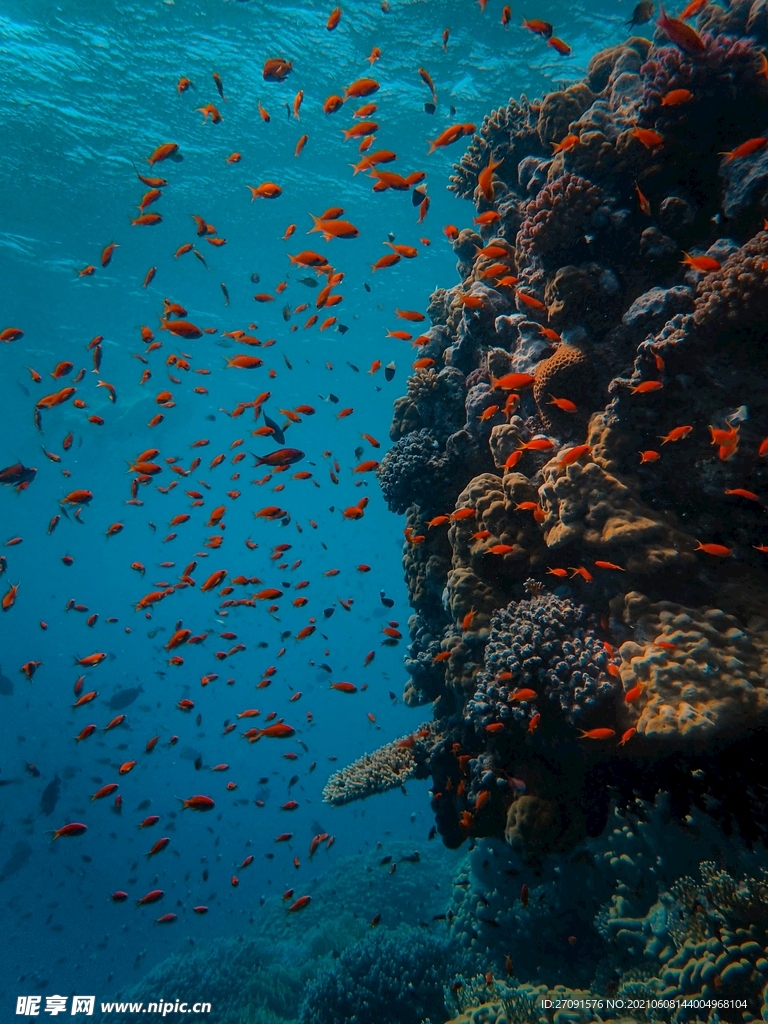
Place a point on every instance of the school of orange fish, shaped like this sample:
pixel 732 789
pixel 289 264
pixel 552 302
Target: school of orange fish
pixel 73 384
pixel 281 463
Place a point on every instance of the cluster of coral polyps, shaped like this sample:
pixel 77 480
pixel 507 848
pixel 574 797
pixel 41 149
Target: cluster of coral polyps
pixel 582 454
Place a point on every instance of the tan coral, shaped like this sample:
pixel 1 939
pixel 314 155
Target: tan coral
pixel 494 501
pixel 576 295
pixel 586 505
pixel 389 767
pixel 566 374
pixel 558 109
pixel 505 439
pixel 537 827
pixel 425 564
pixel 713 684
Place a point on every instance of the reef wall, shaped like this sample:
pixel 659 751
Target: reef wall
pixel 580 456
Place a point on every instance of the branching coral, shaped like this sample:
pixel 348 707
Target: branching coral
pixel 389 767
pixel 508 130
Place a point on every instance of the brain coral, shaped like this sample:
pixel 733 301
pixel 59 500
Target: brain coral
pixel 585 504
pixel 711 681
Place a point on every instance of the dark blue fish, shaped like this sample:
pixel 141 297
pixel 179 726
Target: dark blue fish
pixel 50 796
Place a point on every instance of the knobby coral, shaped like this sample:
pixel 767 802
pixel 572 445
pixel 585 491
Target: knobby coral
pixel 582 465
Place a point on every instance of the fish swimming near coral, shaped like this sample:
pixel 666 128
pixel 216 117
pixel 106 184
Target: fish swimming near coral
pixel 642 13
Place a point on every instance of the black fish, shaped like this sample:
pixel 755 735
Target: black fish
pixel 411 858
pixel 386 860
pixel 277 432
pixel 642 13
pixel 388 602
pixel 328 612
pixel 310 282
pixel 123 698
pixel 17 474
pixel 342 328
pixel 50 796
pixel 293 780
pixel 226 293
pixel 392 696
pixel 367 286
pixel 6 686
pixel 432 832
pixel 20 854
pixel 429 108
pixel 198 762
pixel 286 313
pixel 389 372
pixel 419 195
pixel 255 278
pixel 326 668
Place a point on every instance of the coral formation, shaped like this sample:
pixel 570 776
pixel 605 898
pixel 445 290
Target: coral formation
pixel 389 767
pixel 389 977
pixel 583 463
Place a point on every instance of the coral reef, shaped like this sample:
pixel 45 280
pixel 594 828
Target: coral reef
pixel 583 464
pixel 389 977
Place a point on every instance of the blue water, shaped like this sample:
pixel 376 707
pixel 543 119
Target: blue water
pixel 90 89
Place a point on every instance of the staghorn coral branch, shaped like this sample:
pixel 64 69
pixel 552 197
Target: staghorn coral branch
pixel 389 767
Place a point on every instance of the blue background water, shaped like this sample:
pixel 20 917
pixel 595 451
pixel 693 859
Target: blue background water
pixel 88 89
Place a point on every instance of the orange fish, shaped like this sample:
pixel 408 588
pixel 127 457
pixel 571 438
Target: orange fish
pixel 646 387
pixel 597 734
pixel 676 97
pixel 748 148
pixel 267 190
pixel 649 138
pixel 559 46
pixel 450 135
pixel 718 550
pixel 676 434
pixel 706 264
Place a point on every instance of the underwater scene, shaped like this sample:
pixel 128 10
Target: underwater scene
pixel 384 568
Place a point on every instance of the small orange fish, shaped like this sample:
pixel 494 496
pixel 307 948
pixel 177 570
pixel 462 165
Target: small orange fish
pixel 705 264
pixel 648 137
pixel 748 148
pixel 718 550
pixel 597 734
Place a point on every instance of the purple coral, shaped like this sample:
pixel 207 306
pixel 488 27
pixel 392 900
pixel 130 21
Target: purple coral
pixel 549 644
pixel 559 215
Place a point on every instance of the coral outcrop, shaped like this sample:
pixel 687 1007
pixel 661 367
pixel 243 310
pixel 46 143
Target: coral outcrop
pixel 584 467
